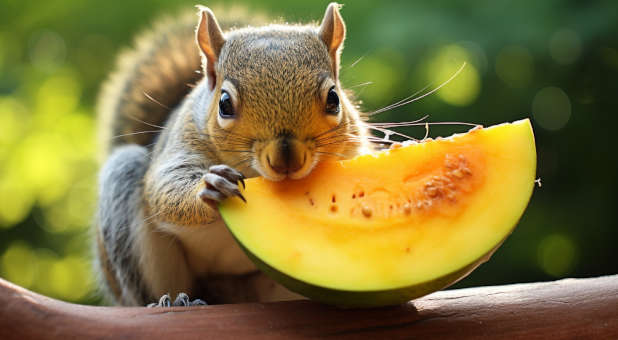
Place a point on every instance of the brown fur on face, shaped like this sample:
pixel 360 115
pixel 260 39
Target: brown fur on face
pixel 278 77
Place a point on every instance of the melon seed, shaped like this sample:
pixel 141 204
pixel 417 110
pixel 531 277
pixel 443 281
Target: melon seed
pixel 449 162
pixel 406 208
pixel 458 173
pixel 366 211
pixel 431 191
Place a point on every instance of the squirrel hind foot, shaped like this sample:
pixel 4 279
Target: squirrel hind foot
pixel 182 300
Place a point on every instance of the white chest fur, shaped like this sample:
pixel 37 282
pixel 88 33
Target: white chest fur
pixel 211 249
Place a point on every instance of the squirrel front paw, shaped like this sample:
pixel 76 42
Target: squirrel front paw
pixel 221 181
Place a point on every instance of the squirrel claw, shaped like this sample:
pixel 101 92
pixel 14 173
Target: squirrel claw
pixel 182 300
pixel 221 182
pixel 228 173
pixel 164 301
pixel 207 195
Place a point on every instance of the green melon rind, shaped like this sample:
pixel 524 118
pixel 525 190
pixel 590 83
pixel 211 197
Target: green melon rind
pixel 366 299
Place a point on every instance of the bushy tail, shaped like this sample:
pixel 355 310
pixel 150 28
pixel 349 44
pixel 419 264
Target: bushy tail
pixel 151 79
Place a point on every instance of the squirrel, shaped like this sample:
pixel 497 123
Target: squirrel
pixel 186 117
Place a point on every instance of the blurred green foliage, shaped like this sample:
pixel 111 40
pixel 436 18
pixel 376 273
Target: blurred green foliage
pixel 554 61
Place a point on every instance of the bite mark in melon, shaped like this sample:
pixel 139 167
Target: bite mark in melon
pixel 388 227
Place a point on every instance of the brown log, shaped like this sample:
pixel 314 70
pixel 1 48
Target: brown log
pixel 565 309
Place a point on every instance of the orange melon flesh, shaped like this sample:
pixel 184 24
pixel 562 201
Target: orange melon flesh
pixel 388 227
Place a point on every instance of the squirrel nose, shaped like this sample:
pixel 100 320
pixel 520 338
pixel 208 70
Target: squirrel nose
pixel 287 157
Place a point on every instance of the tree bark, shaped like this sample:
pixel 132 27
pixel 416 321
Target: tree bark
pixel 565 309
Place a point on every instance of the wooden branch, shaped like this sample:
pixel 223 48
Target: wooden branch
pixel 565 309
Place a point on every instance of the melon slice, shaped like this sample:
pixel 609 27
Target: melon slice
pixel 388 227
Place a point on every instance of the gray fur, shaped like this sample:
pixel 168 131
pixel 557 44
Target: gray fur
pixel 119 215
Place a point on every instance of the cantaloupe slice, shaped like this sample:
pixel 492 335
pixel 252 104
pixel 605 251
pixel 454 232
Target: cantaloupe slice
pixel 388 227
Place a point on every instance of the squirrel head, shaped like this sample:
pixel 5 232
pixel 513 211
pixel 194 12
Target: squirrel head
pixel 276 107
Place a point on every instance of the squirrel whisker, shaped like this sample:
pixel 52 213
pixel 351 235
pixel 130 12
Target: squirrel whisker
pixel 406 102
pixel 388 132
pixel 416 123
pixel 151 217
pixel 236 135
pixel 149 124
pixel 400 102
pixel 331 154
pixel 361 84
pixel 356 61
pixel 330 138
pixel 155 101
pixel 135 133
pixel 337 142
pixel 409 123
pixel 334 136
pixel 332 130
pixel 242 162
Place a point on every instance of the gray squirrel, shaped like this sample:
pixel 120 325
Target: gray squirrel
pixel 267 102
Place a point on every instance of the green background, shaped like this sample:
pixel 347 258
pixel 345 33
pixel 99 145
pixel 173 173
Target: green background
pixel 553 61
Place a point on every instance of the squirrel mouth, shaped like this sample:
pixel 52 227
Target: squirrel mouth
pixel 284 157
pixel 280 169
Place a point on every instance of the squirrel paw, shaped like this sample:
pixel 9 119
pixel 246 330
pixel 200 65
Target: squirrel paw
pixel 221 182
pixel 182 300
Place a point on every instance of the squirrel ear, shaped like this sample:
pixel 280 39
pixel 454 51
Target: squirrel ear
pixel 210 40
pixel 332 33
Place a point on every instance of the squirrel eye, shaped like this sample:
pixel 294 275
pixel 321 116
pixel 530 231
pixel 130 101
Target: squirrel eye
pixel 332 102
pixel 226 109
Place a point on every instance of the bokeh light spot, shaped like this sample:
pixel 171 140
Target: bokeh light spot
pixel 47 50
pixel 463 89
pixel 16 208
pixel 74 211
pixel 551 108
pixel 14 118
pixel 41 163
pixel 45 260
pixel 57 96
pixel 565 46
pixel 68 278
pixel 381 70
pixel 515 66
pixel 19 264
pixel 557 254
